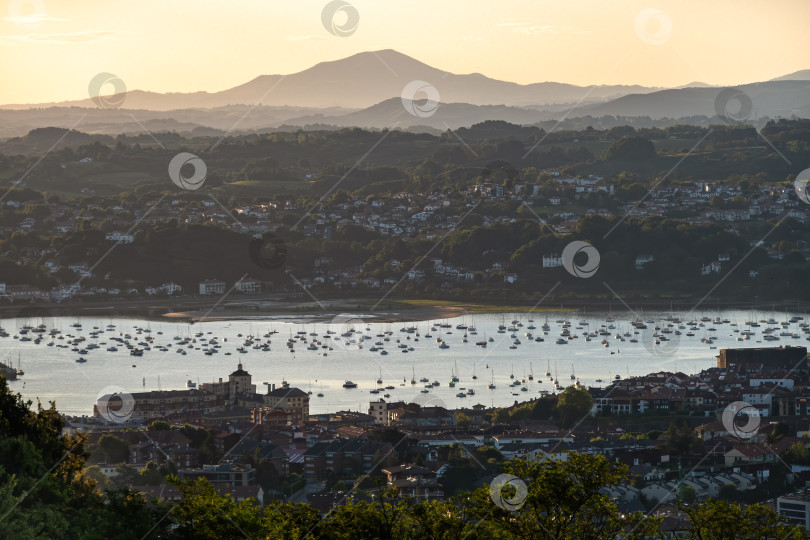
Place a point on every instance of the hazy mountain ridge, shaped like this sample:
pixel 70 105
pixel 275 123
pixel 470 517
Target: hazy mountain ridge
pixel 802 75
pixel 770 99
pixel 362 80
pixel 364 90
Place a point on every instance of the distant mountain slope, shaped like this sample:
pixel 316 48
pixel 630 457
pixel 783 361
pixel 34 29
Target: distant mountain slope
pixel 364 90
pixel 391 112
pixel 771 99
pixel 363 80
pixel 14 123
pixel 803 75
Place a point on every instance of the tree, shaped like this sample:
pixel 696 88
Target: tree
pixel 716 519
pixel 116 450
pixel 574 404
pixel 630 149
pixel 728 492
pixel 203 513
pixel 680 439
pixel 779 431
pixel 500 416
pixel 44 491
pixel 798 454
pixel 383 518
pixel 158 425
pixel 687 494
pixel 151 475
pixel 563 500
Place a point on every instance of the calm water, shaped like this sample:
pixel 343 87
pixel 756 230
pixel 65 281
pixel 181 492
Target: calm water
pixel 51 372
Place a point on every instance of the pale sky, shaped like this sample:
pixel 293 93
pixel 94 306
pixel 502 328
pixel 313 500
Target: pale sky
pixel 190 45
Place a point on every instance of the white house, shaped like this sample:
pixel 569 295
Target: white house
pixel 64 292
pixel 171 288
pixel 81 269
pixel 119 237
pixel 249 286
pixel 643 260
pixel 713 267
pixel 212 286
pixel 552 261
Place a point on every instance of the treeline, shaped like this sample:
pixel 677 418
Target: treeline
pixel 401 160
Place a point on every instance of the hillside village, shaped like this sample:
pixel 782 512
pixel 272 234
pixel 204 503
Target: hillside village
pixel 739 429
pixel 562 201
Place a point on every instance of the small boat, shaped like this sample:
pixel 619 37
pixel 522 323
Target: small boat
pixel 349 384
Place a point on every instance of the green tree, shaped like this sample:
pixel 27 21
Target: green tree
pixel 44 491
pixel 564 501
pixel 151 475
pixel 687 494
pixel 779 431
pixel 680 439
pixel 116 450
pixel 462 420
pixel 574 404
pixel 716 520
pixel 204 514
pixel 158 425
pixel 798 454
pixel 630 149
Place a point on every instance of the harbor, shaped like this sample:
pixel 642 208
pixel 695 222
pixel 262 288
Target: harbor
pixel 492 359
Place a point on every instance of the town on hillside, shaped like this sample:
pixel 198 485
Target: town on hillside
pixel 382 233
pixel 738 431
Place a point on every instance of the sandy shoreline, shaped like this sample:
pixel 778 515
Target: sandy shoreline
pixel 422 313
pixel 299 309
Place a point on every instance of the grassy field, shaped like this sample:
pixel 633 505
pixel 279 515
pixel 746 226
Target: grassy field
pixel 472 307
pixel 254 188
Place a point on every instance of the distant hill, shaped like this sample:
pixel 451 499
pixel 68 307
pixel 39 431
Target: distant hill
pixel 365 90
pixel 15 123
pixel 448 115
pixel 363 80
pixel 803 75
pixel 770 99
pixel 696 84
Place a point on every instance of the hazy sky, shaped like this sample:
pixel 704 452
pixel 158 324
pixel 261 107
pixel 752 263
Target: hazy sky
pixel 189 45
